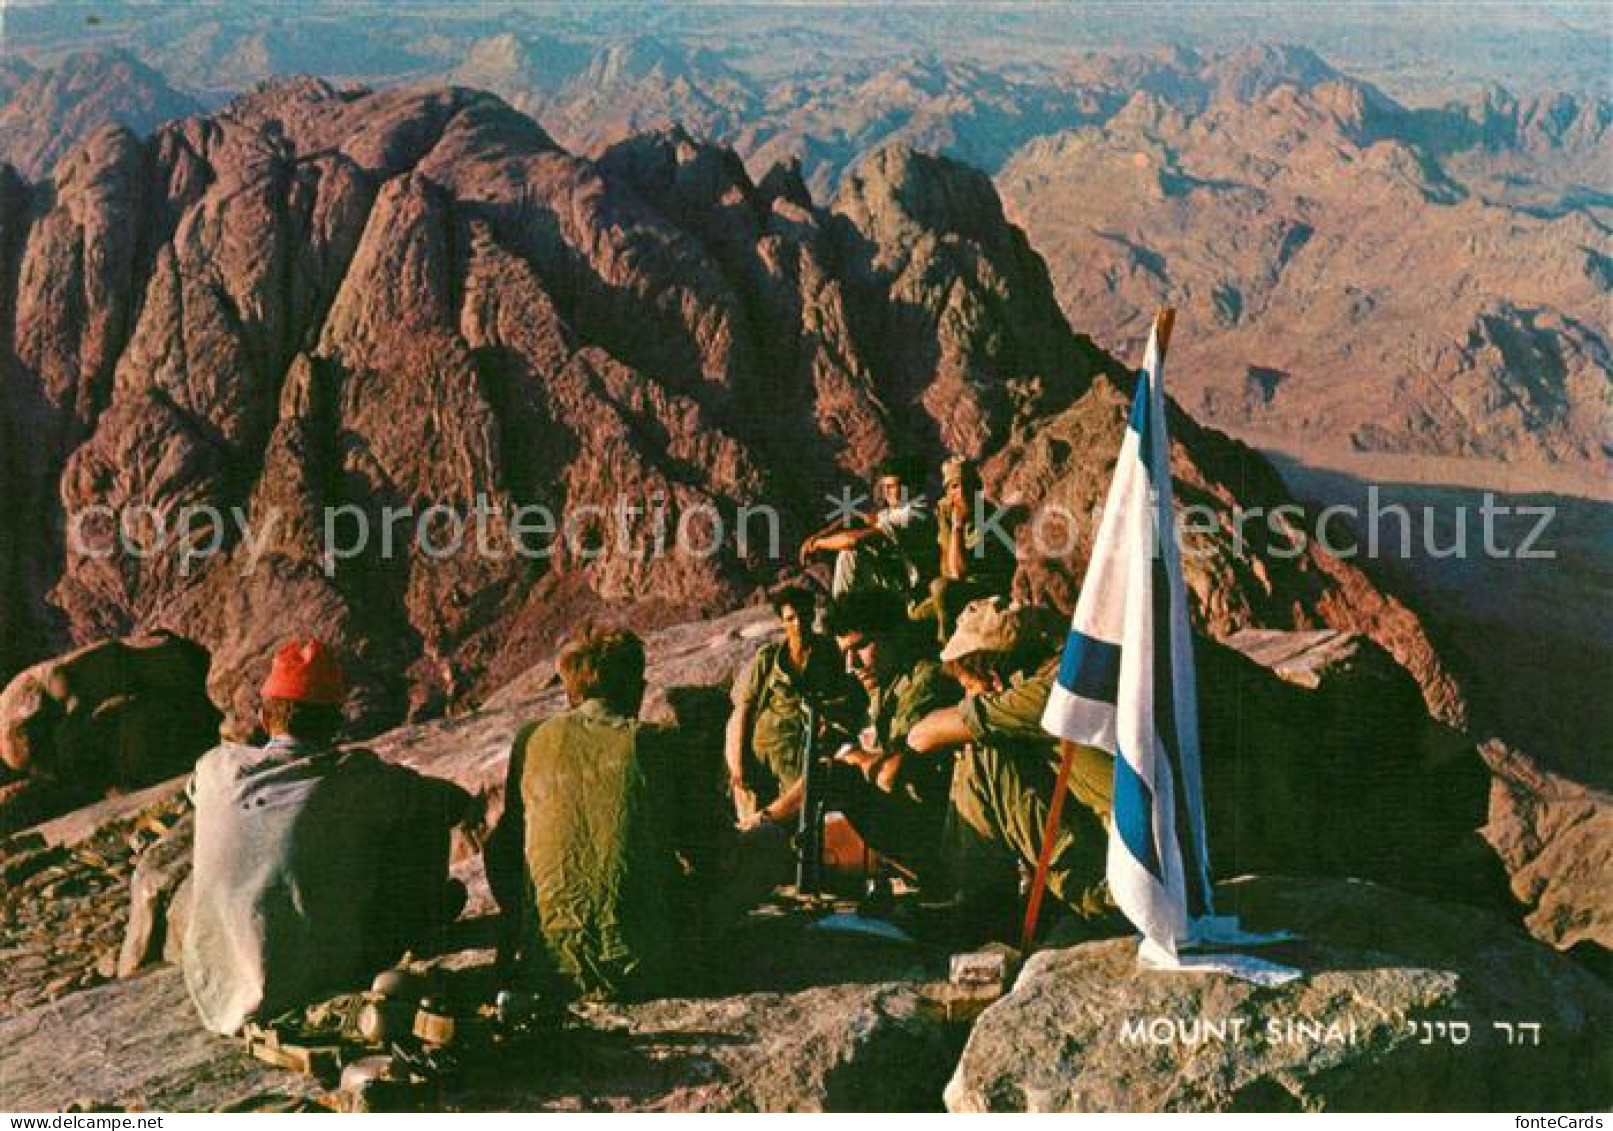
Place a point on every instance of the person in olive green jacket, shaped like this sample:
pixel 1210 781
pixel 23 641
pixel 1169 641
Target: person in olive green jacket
pixel 596 799
pixel 767 730
pixel 600 898
pixel 1002 786
pixel 895 804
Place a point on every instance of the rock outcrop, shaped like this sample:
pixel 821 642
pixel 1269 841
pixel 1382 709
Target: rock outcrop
pixel 397 369
pixel 1405 1005
pixel 157 893
pixel 120 714
pixel 135 1044
pixel 1555 838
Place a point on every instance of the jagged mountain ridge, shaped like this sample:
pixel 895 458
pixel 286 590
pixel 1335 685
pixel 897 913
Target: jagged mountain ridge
pixel 315 300
pixel 1497 208
pixel 1281 203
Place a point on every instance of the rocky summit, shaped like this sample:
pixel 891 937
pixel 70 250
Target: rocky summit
pixel 798 1018
pixel 300 364
pixel 1404 1006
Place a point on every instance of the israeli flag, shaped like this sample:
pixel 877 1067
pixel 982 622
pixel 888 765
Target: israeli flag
pixel 1126 685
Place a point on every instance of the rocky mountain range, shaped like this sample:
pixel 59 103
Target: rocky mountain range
pixel 46 111
pixel 1357 274
pixel 319 303
pixel 1279 202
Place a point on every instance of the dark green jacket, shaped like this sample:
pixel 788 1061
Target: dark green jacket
pixel 897 709
pixel 1013 717
pixel 596 795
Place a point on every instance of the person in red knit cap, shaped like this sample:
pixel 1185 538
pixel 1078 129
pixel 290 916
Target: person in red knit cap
pixel 315 867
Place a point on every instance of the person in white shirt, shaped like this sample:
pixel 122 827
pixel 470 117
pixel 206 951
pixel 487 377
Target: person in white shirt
pixel 314 868
pixel 893 549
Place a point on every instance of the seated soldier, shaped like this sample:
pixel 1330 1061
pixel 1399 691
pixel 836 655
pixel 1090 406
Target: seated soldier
pixel 1003 782
pixel 607 910
pixel 315 868
pixel 896 804
pixel 596 803
pixel 894 549
pixel 767 730
pixel 975 561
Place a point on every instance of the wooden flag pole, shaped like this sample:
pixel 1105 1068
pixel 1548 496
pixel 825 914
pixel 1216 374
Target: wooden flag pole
pixel 1055 811
pixel 1164 322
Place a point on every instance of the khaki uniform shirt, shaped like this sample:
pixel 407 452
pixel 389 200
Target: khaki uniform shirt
pixel 1014 715
pixel 776 695
pixel 896 709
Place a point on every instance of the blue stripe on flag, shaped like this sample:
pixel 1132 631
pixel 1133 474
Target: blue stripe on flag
pixel 1169 737
pixel 1090 668
pixel 1134 816
pixel 1138 420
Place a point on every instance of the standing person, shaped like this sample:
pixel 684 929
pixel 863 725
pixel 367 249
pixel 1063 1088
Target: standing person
pixel 893 549
pixel 767 730
pixel 975 561
pixel 315 868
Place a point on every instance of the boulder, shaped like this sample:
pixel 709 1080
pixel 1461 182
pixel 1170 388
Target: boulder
pixel 162 868
pixel 848 1047
pixel 118 714
pixel 1320 758
pixel 133 1043
pixel 835 1048
pixel 1406 1005
pixel 1303 658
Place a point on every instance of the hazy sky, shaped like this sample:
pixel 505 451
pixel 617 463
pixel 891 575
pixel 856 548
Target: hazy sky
pixel 1415 48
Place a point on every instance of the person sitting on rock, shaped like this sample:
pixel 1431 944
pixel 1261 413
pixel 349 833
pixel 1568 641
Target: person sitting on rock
pixel 896 804
pixel 314 868
pixel 767 731
pixel 894 549
pixel 595 870
pixel 596 794
pixel 976 561
pixel 1007 765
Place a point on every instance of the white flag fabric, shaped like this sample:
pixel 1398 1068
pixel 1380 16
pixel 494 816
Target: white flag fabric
pixel 1126 685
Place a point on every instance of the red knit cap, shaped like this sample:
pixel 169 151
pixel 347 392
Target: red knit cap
pixel 306 671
